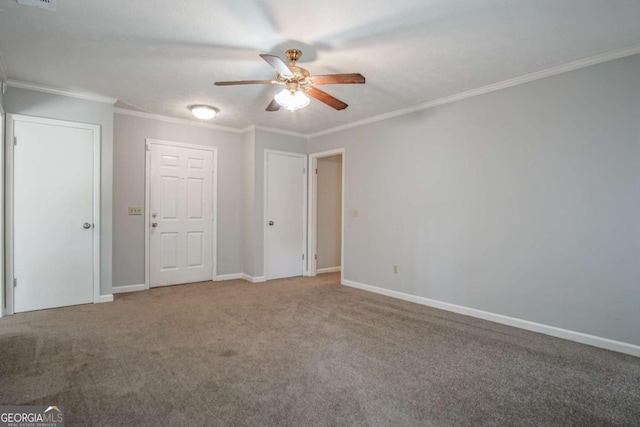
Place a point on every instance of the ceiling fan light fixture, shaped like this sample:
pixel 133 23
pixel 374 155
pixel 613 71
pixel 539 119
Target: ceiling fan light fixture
pixel 292 100
pixel 203 112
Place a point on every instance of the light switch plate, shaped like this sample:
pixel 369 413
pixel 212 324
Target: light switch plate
pixel 135 210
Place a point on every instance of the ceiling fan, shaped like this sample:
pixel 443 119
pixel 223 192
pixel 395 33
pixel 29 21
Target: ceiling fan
pixel 298 82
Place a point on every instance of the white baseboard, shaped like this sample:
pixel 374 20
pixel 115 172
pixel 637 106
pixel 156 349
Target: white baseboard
pixel 128 288
pixel 105 298
pixel 252 279
pixel 233 276
pixel 619 346
pixel 328 270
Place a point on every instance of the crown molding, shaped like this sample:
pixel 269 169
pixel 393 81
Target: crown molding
pixel 549 72
pixel 46 89
pixel 281 131
pixel 176 120
pixel 252 128
pixel 168 119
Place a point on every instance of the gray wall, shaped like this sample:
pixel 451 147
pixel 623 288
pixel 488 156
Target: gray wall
pixel 522 202
pixel 129 190
pixel 22 101
pixel 263 141
pixel 329 211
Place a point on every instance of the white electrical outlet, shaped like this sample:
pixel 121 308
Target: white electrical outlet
pixel 135 210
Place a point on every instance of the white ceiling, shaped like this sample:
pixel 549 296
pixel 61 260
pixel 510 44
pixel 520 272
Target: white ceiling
pixel 159 56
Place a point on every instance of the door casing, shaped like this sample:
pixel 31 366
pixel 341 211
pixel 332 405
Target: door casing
pixel 3 303
pixel 9 193
pixel 147 203
pixel 313 209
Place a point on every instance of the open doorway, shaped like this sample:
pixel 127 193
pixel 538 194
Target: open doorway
pixel 326 202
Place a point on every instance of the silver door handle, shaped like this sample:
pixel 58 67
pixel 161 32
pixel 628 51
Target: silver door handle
pixel 154 224
pixel 86 225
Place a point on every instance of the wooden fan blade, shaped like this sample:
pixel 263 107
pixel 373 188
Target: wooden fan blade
pixel 337 79
pixel 277 64
pixel 273 106
pixel 326 98
pixel 245 82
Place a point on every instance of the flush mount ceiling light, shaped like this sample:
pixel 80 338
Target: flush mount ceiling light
pixel 203 112
pixel 292 100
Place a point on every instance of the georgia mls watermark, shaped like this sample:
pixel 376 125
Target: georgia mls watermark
pixel 31 416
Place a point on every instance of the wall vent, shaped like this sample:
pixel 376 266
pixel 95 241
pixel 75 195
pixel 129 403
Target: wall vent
pixel 42 4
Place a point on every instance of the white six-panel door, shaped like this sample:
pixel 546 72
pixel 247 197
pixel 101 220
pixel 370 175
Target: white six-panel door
pixel 53 212
pixel 285 192
pixel 181 209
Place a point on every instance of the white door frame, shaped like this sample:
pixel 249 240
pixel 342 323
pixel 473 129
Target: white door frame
pixel 2 150
pixel 313 209
pixel 147 199
pixel 264 209
pixel 9 192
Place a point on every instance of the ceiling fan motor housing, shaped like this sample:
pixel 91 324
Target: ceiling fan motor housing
pixel 293 55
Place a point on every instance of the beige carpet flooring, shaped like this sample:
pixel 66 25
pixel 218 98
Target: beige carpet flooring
pixel 302 352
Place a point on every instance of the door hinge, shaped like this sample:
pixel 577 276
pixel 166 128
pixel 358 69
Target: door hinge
pixel 15 140
pixel 15 282
pixel 315 257
pixel 303 257
pixel 304 170
pixel 148 147
pixel 316 171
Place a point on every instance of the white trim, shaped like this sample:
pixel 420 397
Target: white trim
pixel 313 211
pixel 275 130
pixel 328 270
pixel 147 199
pixel 259 279
pixel 234 276
pixel 167 119
pixel 622 347
pixel 2 180
pixel 9 213
pixel 105 298
pixel 46 89
pixel 549 72
pixel 97 201
pixel 128 288
pixel 264 208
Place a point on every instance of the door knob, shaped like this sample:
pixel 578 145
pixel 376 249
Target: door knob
pixel 86 225
pixel 154 224
pixel 270 222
